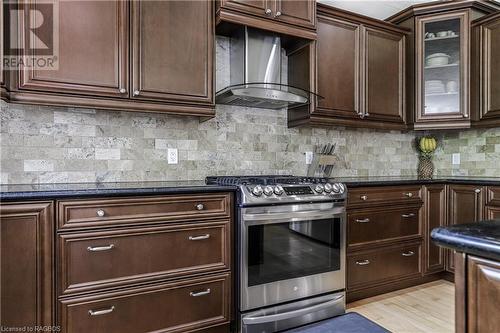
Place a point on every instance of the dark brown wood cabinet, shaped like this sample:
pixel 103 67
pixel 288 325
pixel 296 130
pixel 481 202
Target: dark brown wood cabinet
pixel 477 295
pixel 436 215
pixel 485 91
pixel 360 68
pixel 148 56
pixel 439 79
pixel 466 205
pixel 172 51
pixel 289 17
pixel 26 293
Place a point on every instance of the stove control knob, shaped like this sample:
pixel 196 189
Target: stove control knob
pixel 342 188
pixel 257 191
pixel 336 188
pixel 278 190
pixel 268 190
pixel 328 187
pixel 319 188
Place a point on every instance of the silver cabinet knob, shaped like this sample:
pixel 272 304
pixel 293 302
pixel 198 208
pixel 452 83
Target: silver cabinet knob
pixel 477 190
pixel 136 93
pixel 278 14
pixel 407 254
pixel 364 197
pixel 269 11
pixel 409 194
pixel 123 91
pixel 200 206
pixel 100 213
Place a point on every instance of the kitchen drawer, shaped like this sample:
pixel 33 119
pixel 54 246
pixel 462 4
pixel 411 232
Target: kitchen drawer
pixel 375 225
pixel 92 260
pixel 366 196
pixel 382 265
pixel 170 307
pixel 122 211
pixel 493 196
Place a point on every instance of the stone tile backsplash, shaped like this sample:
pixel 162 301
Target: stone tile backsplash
pixel 53 145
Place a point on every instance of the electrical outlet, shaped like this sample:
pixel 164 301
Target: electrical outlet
pixel 455 159
pixel 172 156
pixel 309 157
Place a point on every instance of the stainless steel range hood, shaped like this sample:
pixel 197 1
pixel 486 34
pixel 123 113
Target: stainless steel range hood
pixel 255 59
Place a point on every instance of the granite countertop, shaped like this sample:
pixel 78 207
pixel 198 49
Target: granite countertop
pixel 78 190
pixel 409 180
pixel 480 238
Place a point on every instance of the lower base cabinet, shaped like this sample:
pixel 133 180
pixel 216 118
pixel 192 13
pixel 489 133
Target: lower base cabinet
pixel 174 307
pixel 26 266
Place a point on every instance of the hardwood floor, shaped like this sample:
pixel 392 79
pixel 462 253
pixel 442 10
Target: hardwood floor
pixel 426 308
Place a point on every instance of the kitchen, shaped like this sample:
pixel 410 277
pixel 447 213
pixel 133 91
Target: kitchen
pixel 250 166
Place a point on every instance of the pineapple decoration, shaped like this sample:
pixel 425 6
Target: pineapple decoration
pixel 426 145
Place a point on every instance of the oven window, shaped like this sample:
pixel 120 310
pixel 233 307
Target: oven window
pixel 294 249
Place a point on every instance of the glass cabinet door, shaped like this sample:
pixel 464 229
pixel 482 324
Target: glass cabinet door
pixel 442 78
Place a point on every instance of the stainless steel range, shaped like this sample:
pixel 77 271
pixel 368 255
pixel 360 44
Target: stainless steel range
pixel 290 244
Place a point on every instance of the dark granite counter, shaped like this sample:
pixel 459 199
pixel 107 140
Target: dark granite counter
pixel 411 180
pixel 81 190
pixel 481 238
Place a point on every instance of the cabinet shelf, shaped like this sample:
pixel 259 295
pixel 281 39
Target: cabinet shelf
pixel 442 94
pixel 441 38
pixel 441 66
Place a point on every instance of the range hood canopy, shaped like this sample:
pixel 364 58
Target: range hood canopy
pixel 255 60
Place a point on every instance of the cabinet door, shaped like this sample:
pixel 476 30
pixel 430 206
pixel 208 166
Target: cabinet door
pixel 26 264
pixel 338 67
pixel 483 295
pixel 383 76
pixel 435 216
pixel 297 12
pixel 442 68
pixel 172 50
pixel 490 43
pixel 254 7
pixel 492 213
pixel 466 204
pixel 93 49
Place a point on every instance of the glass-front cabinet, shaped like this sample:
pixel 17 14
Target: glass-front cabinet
pixel 442 70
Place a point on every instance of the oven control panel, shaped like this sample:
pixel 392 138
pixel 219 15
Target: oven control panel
pixel 298 190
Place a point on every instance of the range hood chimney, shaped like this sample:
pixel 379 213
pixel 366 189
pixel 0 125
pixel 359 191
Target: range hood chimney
pixel 255 59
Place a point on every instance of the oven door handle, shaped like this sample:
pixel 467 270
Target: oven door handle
pixel 291 314
pixel 293 216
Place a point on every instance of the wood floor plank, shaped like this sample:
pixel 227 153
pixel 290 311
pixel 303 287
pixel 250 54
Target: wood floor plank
pixel 426 308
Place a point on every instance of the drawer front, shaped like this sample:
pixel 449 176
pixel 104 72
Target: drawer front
pixel 175 307
pixel 366 226
pixel 104 259
pixel 122 211
pixel 493 196
pixel 382 265
pixel 384 195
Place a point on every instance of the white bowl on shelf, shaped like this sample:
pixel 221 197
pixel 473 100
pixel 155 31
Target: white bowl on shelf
pixel 437 59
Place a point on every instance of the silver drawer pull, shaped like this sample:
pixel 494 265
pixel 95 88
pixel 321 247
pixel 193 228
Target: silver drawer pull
pixel 364 197
pixel 200 206
pixel 407 254
pixel 409 194
pixel 100 248
pixel 363 262
pixel 100 213
pixel 200 293
pixel 195 238
pixel 408 215
pixel 362 220
pixel 101 312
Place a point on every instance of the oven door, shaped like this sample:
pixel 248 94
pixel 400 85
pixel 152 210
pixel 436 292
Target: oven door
pixel 289 252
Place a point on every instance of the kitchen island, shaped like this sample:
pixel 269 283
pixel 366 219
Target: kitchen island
pixel 477 273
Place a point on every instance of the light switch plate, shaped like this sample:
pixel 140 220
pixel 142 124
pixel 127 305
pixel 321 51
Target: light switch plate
pixel 455 159
pixel 172 156
pixel 309 157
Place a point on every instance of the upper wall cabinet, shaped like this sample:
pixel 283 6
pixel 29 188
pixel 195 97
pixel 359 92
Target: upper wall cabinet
pixel 439 64
pixel 154 56
pixel 485 93
pixel 359 73
pixel 290 17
